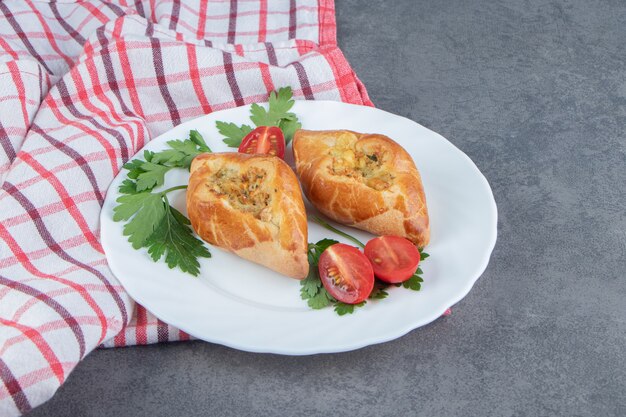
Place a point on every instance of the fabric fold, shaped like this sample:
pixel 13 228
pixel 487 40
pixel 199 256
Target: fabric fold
pixel 84 86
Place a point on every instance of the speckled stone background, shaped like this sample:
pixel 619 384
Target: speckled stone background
pixel 535 93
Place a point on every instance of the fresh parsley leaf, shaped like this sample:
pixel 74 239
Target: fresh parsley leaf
pixel 180 217
pixel 128 187
pixel 180 155
pixel 311 285
pixel 277 114
pixel 171 157
pixel 150 172
pixel 281 102
pixel 188 149
pixel 130 204
pixel 413 283
pixel 379 292
pixel 233 134
pixel 312 290
pixel 342 308
pixel 174 239
pixel 153 175
pixel 134 168
pixel 181 152
pixel 324 244
pixel 279 105
pixel 320 300
pixel 289 128
pixel 147 211
pixel 423 255
pixel 262 117
pixel 197 138
pixel 316 249
pixel 162 229
pixel 152 222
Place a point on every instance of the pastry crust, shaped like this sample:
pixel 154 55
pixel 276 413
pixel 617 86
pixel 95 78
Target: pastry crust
pixel 250 205
pixel 367 181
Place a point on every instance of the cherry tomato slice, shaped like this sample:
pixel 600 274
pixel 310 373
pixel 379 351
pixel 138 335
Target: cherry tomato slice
pixel 394 259
pixel 267 140
pixel 346 273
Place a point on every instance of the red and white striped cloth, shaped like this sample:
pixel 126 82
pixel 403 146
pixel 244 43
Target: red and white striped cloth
pixel 83 86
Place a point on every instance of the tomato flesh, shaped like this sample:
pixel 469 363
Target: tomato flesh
pixel 266 140
pixel 393 258
pixel 346 273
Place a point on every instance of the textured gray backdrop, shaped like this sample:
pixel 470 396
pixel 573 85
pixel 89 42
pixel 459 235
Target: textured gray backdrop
pixel 535 93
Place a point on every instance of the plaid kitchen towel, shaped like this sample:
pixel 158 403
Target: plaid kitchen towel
pixel 83 86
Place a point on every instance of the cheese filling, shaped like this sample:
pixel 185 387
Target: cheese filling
pixel 365 165
pixel 243 190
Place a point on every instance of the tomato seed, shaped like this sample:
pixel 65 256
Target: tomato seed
pixel 334 274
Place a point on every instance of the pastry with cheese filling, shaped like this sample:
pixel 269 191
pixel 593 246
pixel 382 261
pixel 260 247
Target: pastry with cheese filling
pixel 250 205
pixel 366 181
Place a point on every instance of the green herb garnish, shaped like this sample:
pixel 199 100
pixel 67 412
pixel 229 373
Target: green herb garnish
pixel 312 290
pixel 150 172
pixel 415 282
pixel 277 114
pixel 152 222
pixel 233 134
pixel 342 308
pixel 379 292
pixel 316 295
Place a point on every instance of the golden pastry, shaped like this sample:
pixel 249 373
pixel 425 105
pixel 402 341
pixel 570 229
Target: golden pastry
pixel 366 181
pixel 252 206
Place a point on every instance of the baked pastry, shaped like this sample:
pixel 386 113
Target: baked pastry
pixel 367 181
pixel 250 205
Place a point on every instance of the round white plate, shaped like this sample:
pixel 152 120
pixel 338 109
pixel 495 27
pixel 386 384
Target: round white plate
pixel 245 306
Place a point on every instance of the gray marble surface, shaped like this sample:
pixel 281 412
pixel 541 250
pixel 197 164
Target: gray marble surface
pixel 535 93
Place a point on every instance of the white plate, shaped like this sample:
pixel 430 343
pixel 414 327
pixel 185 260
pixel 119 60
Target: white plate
pixel 245 306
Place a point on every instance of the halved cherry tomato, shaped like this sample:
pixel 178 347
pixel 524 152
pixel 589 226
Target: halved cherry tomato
pixel 394 259
pixel 346 273
pixel 267 140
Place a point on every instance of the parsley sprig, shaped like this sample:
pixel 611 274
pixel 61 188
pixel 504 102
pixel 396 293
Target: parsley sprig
pixel 277 114
pixel 152 222
pixel 312 290
pixel 150 172
pixel 316 296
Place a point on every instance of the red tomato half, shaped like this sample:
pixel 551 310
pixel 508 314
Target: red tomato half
pixel 394 259
pixel 267 140
pixel 346 273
